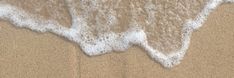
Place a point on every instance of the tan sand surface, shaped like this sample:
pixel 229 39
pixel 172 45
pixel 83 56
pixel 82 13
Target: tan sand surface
pixel 28 54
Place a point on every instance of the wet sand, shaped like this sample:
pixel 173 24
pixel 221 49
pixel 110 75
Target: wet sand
pixel 28 54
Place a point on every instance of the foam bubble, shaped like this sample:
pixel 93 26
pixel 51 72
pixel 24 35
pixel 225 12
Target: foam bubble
pixel 94 23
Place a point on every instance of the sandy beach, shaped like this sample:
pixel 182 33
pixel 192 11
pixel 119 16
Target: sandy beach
pixel 28 54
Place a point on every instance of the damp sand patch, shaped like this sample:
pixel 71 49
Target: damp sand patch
pixel 162 28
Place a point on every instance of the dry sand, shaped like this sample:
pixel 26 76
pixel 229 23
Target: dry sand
pixel 27 54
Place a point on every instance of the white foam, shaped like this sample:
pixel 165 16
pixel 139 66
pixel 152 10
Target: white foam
pixel 111 41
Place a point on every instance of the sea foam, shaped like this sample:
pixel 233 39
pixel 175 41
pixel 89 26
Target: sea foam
pixel 109 36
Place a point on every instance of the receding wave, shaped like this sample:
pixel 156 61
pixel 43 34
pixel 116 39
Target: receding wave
pixel 162 27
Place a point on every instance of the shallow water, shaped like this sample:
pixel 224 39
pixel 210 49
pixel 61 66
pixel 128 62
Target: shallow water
pixel 161 27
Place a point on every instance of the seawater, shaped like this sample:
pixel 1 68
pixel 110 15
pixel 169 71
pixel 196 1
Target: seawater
pixel 162 27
